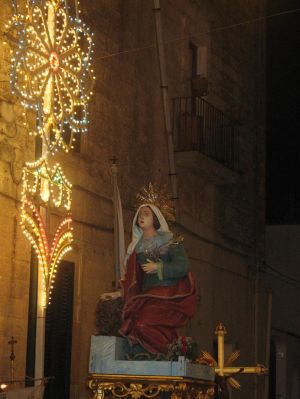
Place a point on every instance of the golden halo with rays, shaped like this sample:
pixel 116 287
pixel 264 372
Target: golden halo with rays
pixel 157 195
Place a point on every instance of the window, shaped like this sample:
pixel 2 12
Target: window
pixel 198 56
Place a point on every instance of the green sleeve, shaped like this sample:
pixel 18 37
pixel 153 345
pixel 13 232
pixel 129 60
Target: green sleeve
pixel 177 266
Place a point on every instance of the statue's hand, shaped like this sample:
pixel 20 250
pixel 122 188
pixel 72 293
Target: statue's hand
pixel 149 267
pixel 110 295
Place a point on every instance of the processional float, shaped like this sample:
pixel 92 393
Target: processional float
pixel 118 370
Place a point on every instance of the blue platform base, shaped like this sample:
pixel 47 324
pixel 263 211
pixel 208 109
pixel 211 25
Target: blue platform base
pixel 107 356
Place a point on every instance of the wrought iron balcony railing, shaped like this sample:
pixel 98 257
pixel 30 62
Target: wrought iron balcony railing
pixel 199 126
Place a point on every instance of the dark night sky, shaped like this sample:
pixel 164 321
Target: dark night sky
pixel 283 114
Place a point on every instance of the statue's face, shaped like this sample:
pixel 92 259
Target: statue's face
pixel 145 218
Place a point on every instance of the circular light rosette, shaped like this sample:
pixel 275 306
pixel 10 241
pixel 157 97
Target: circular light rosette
pixel 51 69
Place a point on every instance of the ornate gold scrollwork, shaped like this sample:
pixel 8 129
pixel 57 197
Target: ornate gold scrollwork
pixel 208 393
pixel 135 388
pixel 135 391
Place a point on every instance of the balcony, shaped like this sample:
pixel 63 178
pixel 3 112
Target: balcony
pixel 199 126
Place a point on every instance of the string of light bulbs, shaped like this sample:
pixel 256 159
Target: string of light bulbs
pixel 51 70
pixel 39 182
pixel 51 73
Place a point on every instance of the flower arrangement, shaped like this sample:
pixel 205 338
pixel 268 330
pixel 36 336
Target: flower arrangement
pixel 183 346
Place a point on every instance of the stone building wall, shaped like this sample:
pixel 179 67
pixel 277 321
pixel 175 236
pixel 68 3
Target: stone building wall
pixel 221 211
pixel 15 147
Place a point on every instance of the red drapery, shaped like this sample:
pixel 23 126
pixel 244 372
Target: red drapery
pixel 153 318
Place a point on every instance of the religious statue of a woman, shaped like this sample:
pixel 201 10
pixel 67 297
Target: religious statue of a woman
pixel 158 289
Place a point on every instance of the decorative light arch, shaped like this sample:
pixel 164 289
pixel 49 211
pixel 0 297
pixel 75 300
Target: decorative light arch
pixel 43 186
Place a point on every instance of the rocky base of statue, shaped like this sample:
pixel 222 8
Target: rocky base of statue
pixel 108 315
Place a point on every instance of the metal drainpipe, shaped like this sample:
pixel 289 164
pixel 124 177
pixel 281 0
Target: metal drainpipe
pixel 33 300
pixel 165 100
pixel 260 129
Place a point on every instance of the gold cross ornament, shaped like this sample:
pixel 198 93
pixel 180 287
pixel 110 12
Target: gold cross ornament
pixel 224 369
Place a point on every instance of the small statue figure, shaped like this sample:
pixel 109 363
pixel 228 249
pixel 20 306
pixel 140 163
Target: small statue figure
pixel 158 289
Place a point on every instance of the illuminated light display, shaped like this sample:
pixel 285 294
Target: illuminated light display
pixel 34 230
pixel 51 74
pixel 43 186
pixel 51 69
pixel 46 185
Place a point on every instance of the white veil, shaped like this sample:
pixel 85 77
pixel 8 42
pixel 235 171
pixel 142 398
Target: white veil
pixel 137 232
